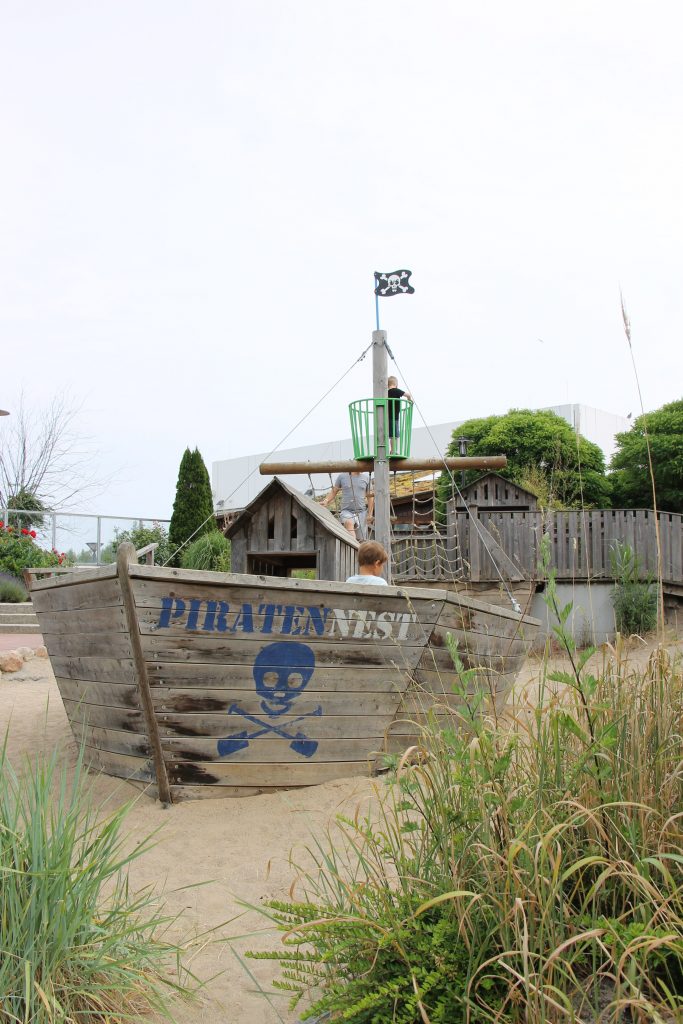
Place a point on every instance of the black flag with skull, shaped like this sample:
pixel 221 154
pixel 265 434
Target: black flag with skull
pixel 395 283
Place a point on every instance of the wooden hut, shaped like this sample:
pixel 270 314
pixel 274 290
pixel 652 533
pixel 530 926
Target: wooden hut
pixel 282 530
pixel 493 491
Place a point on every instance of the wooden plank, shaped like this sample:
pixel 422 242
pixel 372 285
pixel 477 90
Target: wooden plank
pixel 76 645
pixel 218 726
pixel 594 556
pixel 206 651
pixel 75 578
pixel 171 701
pixel 238 553
pixel 386 678
pixel 112 740
pixel 104 717
pixel 261 750
pixel 123 766
pixel 85 620
pixel 113 695
pixel 98 594
pixel 124 556
pixel 665 542
pixel 220 773
pixel 283 518
pixel 95 669
pixel 676 549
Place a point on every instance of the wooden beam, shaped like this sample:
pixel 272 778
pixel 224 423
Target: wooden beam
pixel 125 554
pixel 396 465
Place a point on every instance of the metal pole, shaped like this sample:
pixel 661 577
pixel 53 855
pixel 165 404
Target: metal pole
pixel 382 502
pixel 99 538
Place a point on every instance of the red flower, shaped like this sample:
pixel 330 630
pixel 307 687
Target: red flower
pixel 1 524
pixel 9 529
pixel 33 534
pixel 25 532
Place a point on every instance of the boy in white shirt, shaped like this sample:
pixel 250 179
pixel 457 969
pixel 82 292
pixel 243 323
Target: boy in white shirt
pixel 371 559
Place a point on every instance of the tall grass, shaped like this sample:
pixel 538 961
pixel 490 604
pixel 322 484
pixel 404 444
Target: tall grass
pixel 521 870
pixel 76 945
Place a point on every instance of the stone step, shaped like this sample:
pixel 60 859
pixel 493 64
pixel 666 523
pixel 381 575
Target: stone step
pixel 6 617
pixel 18 618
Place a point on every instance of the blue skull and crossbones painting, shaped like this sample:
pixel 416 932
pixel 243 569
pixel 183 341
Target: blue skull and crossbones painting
pixel 281 673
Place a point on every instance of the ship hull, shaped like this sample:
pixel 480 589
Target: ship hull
pixel 200 683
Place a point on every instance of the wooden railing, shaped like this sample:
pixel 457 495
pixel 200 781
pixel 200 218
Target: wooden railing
pixel 484 544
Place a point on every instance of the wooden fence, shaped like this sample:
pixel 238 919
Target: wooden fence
pixel 481 545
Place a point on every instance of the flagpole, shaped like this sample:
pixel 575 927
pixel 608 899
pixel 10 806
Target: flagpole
pixel 377 309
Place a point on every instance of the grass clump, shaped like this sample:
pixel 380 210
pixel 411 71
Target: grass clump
pixel 526 870
pixel 76 945
pixel 211 551
pixel 634 598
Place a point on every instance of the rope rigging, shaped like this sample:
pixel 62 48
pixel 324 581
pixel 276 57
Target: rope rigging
pixel 454 488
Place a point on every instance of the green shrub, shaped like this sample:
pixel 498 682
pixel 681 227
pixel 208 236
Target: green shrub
pixel 18 551
pixel 12 592
pixel 140 536
pixel 77 945
pixel 210 551
pixel 634 599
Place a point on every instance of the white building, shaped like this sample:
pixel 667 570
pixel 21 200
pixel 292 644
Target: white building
pixel 236 481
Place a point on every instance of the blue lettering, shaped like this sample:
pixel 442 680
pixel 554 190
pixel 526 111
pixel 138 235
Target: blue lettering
pixel 244 620
pixel 195 605
pixel 167 604
pixel 268 611
pixel 317 617
pixel 222 620
pixel 209 623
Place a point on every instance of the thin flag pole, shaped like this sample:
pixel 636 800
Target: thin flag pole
pixel 377 309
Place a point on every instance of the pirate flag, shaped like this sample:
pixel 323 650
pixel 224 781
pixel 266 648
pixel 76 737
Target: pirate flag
pixel 395 283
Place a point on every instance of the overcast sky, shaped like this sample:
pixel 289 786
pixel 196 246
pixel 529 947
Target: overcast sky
pixel 194 197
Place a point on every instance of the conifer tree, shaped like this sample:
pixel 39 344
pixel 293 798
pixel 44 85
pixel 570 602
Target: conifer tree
pixel 193 505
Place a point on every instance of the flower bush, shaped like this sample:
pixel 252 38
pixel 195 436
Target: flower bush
pixel 19 551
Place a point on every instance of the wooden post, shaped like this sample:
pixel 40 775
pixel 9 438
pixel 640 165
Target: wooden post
pixel 475 545
pixel 382 501
pixel 125 554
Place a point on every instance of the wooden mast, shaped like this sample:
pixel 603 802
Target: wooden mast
pixel 381 485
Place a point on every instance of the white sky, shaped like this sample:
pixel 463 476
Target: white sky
pixel 194 196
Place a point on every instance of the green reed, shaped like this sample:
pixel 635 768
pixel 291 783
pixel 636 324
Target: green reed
pixel 76 944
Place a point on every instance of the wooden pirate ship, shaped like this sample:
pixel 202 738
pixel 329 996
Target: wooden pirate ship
pixel 205 683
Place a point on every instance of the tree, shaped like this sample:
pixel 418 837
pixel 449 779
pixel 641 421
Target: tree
pixel 545 455
pixel 139 536
pixel 43 459
pixel 193 506
pixel 630 476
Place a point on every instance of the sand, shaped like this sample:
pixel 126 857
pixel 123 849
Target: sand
pixel 240 848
